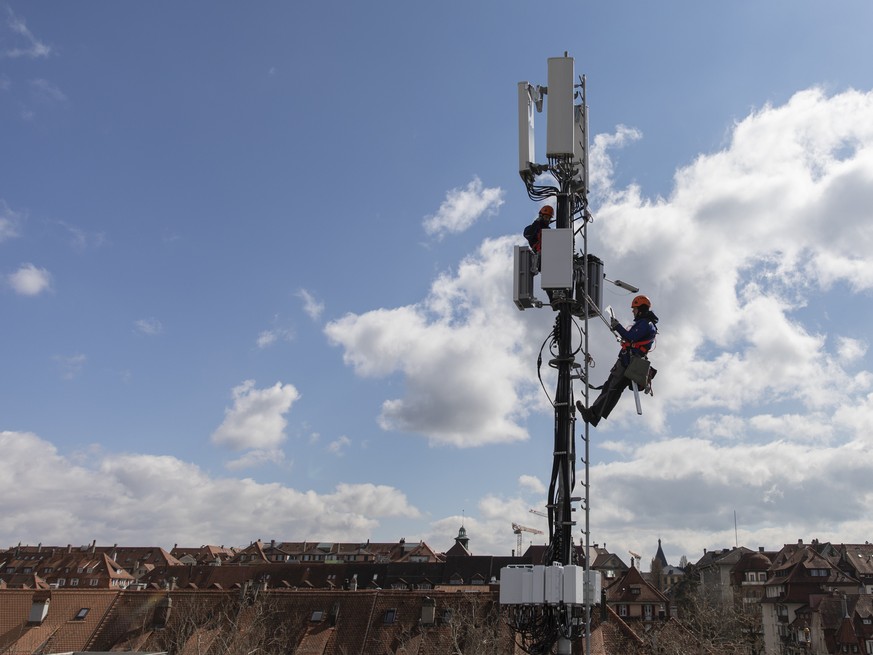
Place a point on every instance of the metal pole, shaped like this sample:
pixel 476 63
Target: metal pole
pixel 564 432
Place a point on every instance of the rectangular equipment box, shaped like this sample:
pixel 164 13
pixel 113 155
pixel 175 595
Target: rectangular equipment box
pixel 538 587
pixel 512 583
pixel 554 584
pixel 523 277
pixel 574 585
pixel 556 259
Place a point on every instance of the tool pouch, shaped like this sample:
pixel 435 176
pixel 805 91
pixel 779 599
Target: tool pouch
pixel 638 370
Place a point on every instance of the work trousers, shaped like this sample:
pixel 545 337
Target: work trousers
pixel 612 389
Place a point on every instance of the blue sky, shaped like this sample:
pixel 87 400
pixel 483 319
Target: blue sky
pixel 255 270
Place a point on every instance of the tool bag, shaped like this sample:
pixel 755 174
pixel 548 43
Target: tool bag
pixel 638 370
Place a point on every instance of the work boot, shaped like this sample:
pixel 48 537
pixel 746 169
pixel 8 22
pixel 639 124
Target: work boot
pixel 583 411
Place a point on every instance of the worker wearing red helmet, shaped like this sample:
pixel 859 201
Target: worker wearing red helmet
pixel 533 232
pixel 637 340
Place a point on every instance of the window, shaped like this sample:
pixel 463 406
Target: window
pixel 622 610
pixel 74 582
pixel 27 569
pixel 61 582
pixel 10 569
pixel 94 582
pixel 317 616
pixel 81 614
pixel 390 615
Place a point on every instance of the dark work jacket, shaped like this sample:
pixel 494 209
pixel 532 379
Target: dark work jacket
pixel 639 338
pixel 533 234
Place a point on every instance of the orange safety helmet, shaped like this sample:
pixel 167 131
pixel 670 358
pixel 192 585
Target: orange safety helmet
pixel 639 301
pixel 547 210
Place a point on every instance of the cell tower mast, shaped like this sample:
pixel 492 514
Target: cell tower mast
pixel 550 604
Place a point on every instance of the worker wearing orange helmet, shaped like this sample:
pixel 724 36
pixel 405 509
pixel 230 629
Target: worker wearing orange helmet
pixel 637 340
pixel 533 232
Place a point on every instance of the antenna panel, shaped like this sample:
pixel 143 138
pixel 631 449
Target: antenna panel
pixel 525 127
pixel 561 124
pixel 580 142
pixel 523 277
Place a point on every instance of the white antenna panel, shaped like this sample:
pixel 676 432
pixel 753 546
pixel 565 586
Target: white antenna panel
pixel 560 133
pixel 525 127
pixel 580 158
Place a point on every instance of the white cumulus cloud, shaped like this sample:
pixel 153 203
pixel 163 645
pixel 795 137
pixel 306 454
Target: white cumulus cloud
pixel 135 498
pixel 30 280
pixel 257 418
pixel 462 208
pixel 465 354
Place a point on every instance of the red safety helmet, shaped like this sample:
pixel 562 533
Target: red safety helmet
pixel 639 301
pixel 547 211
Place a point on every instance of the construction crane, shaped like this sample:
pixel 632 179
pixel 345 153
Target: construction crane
pixel 518 529
pixel 538 513
pixel 638 557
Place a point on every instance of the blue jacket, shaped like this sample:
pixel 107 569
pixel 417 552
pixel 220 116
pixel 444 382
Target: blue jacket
pixel 639 338
pixel 533 233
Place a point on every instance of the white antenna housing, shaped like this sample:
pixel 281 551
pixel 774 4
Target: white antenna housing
pixel 560 132
pixel 580 142
pixel 526 101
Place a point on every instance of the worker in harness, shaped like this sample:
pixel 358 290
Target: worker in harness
pixel 533 232
pixel 637 341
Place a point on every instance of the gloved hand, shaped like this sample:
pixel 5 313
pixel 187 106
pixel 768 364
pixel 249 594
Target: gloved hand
pixel 613 323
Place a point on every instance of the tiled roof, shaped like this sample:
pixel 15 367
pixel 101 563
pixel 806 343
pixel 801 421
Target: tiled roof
pixel 61 630
pixel 631 587
pixel 312 622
